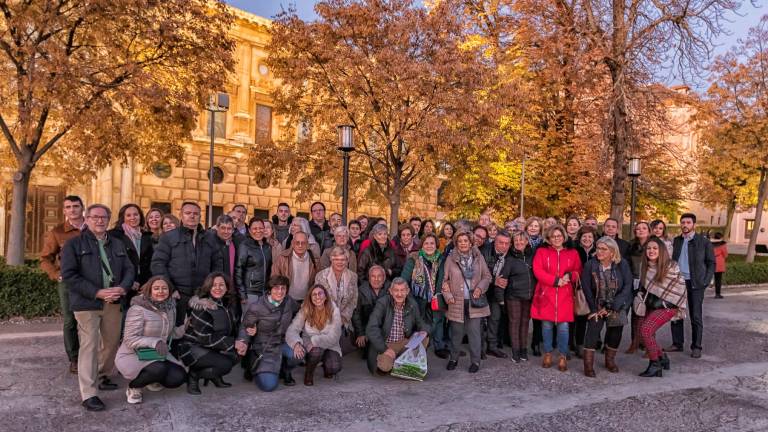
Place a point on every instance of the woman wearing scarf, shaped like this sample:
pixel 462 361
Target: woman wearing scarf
pixel 138 243
pixel 424 273
pixel 663 288
pixel 466 277
pixel 380 253
pixel 341 284
pixel 263 331
pixel 518 294
pixel 149 328
pixel 533 227
pixel 607 285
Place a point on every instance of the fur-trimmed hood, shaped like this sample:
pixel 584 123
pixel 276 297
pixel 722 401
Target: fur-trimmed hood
pixel 198 303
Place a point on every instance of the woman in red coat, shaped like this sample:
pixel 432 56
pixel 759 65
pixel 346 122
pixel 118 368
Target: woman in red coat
pixel 555 267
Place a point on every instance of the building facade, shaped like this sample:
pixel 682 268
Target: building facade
pixel 166 185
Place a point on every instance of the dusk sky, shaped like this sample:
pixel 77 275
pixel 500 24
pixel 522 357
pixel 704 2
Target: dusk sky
pixel 738 26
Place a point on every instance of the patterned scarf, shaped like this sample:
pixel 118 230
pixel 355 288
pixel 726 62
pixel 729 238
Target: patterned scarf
pixel 133 234
pixel 671 289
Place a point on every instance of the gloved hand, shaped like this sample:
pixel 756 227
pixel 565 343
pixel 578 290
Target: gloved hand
pixel 161 347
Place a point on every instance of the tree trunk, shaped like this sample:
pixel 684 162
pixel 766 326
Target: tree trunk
pixel 762 192
pixel 17 231
pixel 619 139
pixel 730 211
pixel 394 213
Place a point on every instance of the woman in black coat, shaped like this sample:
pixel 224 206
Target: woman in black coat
pixel 263 329
pixel 607 284
pixel 208 346
pixel 138 243
pixel 518 294
pixel 254 263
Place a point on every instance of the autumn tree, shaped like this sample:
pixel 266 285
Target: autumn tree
pixel 637 41
pixel 92 81
pixel 739 94
pixel 391 68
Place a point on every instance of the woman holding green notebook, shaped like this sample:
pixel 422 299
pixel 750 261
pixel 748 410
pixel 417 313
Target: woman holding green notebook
pixel 143 356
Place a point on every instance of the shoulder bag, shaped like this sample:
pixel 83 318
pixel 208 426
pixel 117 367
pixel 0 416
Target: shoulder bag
pixel 477 303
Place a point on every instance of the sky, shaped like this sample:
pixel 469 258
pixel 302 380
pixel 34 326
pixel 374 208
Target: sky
pixel 738 26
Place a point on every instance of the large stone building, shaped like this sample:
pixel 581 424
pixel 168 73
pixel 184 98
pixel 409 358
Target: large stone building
pixel 166 186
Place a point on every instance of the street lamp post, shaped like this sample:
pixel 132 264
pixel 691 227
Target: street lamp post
pixel 633 170
pixel 346 145
pixel 522 187
pixel 216 103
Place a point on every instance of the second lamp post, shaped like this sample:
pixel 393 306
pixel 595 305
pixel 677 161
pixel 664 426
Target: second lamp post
pixel 346 145
pixel 633 171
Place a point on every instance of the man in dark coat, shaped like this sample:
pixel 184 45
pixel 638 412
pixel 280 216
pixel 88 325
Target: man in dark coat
pixel 696 257
pixel 611 229
pixel 98 274
pixel 499 262
pixel 186 256
pixel 394 320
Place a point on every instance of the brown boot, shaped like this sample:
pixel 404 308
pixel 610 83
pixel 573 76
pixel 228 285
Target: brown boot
pixel 610 360
pixel 309 374
pixel 546 361
pixel 562 363
pixel 633 346
pixel 589 362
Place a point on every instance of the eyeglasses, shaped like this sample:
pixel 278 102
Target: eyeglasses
pixel 98 218
pixel 318 294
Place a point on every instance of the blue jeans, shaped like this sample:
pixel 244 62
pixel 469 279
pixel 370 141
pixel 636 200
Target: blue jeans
pixel 267 381
pixel 547 328
pixel 441 337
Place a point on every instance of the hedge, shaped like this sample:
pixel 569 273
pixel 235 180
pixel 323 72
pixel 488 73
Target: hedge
pixel 26 291
pixel 740 273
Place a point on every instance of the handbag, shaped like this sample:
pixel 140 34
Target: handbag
pixel 580 305
pixel 477 303
pixel 438 302
pixel 638 304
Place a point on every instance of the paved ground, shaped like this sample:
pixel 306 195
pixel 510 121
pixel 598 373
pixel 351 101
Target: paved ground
pixel 726 390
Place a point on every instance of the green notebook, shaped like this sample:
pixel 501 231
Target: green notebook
pixel 149 354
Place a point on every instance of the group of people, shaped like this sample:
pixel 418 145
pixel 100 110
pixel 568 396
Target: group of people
pixel 166 301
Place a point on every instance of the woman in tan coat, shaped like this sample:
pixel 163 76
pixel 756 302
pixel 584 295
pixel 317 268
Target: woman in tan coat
pixel 149 328
pixel 466 274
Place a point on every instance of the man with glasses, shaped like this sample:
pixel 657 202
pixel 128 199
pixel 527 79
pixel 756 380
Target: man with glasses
pixel 50 258
pixel 298 265
pixel 98 273
pixel 186 256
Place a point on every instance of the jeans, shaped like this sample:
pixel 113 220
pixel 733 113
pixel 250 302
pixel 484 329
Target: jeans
pixel 547 328
pixel 71 342
pixel 441 336
pixel 696 314
pixel 267 381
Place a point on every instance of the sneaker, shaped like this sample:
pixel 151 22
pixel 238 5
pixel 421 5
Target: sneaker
pixel 155 387
pixel 133 395
pixel 515 357
pixel 524 355
pixel 718 296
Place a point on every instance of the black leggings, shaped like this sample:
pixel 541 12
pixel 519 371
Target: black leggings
pixel 165 373
pixel 219 364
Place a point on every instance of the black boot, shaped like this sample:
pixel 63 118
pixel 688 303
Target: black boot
pixel 654 369
pixel 664 362
pixel 193 383
pixel 523 354
pixel 219 382
pixel 536 350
